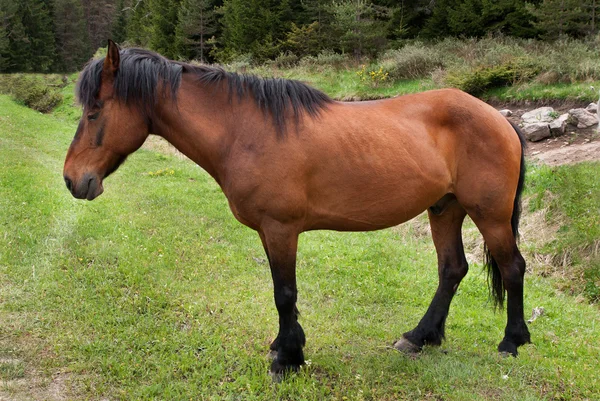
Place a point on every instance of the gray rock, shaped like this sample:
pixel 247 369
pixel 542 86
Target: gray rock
pixel 592 108
pixel 506 112
pixel 536 131
pixel 582 118
pixel 541 115
pixel 558 126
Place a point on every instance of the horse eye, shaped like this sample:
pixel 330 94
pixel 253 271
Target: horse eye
pixel 94 116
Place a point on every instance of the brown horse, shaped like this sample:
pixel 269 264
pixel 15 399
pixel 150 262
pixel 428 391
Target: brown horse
pixel 289 159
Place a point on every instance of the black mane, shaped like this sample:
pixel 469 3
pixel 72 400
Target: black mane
pixel 140 72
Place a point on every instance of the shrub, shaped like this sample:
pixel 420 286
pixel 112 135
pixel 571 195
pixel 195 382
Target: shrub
pixel 477 80
pixel 412 61
pixel 36 92
pixel 327 58
pixel 285 60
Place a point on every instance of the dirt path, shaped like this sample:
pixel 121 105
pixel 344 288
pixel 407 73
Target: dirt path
pixel 576 145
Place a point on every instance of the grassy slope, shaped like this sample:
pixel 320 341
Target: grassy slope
pixel 154 291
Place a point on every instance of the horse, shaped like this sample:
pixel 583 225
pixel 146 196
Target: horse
pixel 290 159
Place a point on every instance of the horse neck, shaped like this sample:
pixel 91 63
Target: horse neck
pixel 198 124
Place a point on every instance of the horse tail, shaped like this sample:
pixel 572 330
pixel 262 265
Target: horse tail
pixel 494 277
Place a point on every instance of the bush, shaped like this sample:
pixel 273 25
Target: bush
pixel 412 61
pixel 479 79
pixel 40 93
pixel 327 58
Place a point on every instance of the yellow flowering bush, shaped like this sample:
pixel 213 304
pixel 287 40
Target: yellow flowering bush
pixel 374 77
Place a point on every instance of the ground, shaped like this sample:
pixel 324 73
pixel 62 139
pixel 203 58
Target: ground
pixel 577 145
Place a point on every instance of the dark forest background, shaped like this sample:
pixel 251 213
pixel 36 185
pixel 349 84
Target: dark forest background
pixel 61 35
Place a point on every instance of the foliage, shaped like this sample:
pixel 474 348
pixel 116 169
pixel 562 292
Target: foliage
pixel 414 60
pixel 163 22
pixel 254 26
pixel 196 23
pixel 31 41
pixel 304 40
pixel 40 93
pixel 359 26
pixel 557 18
pixel 479 79
pixel 374 77
pixel 71 35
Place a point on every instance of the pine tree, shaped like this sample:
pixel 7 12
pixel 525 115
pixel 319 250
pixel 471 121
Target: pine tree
pixel 71 35
pixel 163 20
pixel 99 16
pixel 196 24
pixel 360 32
pixel 319 11
pixel 139 23
pixel 4 40
pixel 254 26
pixel 31 46
pixel 119 25
pixel 560 17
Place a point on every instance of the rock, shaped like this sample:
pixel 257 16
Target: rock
pixel 536 132
pixel 506 112
pixel 541 115
pixel 592 108
pixel 558 126
pixel 582 118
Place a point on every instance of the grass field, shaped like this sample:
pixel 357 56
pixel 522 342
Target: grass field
pixel 154 292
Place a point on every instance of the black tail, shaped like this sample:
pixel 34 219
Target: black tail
pixel 494 277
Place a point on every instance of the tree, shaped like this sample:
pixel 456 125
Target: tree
pixel 476 18
pixel 196 24
pixel 99 16
pixel 254 26
pixel 138 25
pixel 560 17
pixel 4 41
pixel 119 25
pixel 71 35
pixel 28 26
pixel 163 20
pixel 361 26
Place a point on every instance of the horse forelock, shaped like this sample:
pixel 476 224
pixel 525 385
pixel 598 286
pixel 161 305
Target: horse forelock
pixel 140 72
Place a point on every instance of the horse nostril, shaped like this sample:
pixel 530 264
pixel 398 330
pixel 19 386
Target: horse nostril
pixel 69 184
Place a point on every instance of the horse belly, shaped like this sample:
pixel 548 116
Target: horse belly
pixel 373 203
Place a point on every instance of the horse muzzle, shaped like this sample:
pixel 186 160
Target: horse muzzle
pixel 89 187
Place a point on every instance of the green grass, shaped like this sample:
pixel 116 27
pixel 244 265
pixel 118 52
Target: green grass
pixel 154 292
pixel 572 196
pixel 576 92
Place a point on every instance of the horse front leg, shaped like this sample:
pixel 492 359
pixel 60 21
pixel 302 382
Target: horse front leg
pixel 281 243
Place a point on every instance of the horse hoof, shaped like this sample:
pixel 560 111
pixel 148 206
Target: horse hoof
pixel 507 349
pixel 276 377
pixel 406 347
pixel 279 371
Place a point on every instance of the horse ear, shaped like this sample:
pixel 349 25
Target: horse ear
pixel 111 62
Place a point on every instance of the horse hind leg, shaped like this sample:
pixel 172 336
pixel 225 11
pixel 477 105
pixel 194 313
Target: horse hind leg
pixel 507 270
pixel 445 218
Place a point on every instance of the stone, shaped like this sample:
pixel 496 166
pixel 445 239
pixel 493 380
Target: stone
pixel 506 112
pixel 536 132
pixel 582 118
pixel 592 108
pixel 558 126
pixel 540 115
